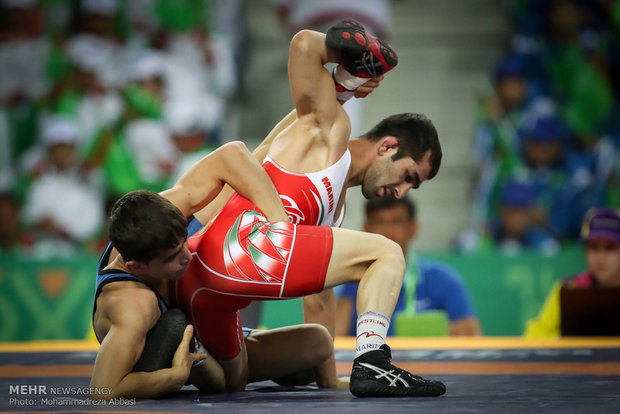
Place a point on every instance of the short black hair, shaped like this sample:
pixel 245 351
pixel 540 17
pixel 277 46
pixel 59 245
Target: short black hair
pixel 383 203
pixel 143 224
pixel 416 135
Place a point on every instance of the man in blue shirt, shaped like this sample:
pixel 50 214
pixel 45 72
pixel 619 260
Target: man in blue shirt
pixel 437 286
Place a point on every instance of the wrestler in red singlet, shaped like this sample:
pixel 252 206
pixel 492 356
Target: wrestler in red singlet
pixel 241 257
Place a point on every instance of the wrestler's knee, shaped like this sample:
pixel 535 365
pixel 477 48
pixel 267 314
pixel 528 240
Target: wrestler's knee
pixel 208 377
pixel 318 342
pixel 236 372
pixel 390 253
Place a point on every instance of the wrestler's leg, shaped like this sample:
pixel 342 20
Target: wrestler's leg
pixel 278 352
pixel 236 371
pixel 208 376
pixel 218 327
pixel 373 260
pixel 379 265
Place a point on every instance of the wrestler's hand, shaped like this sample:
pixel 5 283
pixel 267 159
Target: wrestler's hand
pixel 364 90
pixel 183 359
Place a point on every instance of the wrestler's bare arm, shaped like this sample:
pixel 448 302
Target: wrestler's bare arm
pixel 208 212
pixel 231 164
pixel 131 313
pixel 263 148
pixel 319 135
pixel 312 87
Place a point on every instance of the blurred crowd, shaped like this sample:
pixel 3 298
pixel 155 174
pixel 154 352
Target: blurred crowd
pixel 547 130
pixel 101 97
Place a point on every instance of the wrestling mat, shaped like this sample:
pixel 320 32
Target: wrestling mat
pixel 498 375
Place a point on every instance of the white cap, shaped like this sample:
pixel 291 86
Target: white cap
pixel 183 116
pixel 84 51
pixel 146 66
pixel 58 129
pixel 102 7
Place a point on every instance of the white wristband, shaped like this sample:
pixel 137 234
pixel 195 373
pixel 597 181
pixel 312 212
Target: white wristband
pixel 346 79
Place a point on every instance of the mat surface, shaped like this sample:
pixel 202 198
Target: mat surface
pixel 483 375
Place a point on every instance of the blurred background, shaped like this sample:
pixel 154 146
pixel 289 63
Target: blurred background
pixel 101 97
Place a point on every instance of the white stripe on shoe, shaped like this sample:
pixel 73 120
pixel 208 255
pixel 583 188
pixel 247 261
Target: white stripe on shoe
pixel 389 375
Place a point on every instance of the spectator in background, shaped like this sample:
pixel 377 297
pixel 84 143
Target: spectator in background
pixel 500 112
pixel 564 181
pixel 63 203
pixel 191 126
pixel 13 237
pixel 601 235
pixel 137 152
pixel 24 51
pixel 98 23
pixel 538 201
pixel 577 67
pixel 82 93
pixel 438 287
pixel 148 139
pixel 520 224
pixel 24 54
pixel 572 39
pixel 562 50
pixel 200 59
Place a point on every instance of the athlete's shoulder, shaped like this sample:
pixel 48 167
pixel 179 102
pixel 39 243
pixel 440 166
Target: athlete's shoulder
pixel 127 297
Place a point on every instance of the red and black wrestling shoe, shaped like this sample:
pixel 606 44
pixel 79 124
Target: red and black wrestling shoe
pixel 363 55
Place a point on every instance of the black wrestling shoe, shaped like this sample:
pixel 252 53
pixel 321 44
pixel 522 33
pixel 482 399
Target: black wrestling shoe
pixel 374 376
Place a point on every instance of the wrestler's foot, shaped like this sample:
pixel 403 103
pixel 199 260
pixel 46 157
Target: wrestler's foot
pixel 374 376
pixel 363 55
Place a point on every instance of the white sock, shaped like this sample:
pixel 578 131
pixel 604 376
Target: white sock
pixel 372 329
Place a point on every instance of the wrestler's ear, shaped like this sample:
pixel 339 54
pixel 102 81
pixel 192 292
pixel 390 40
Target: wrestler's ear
pixel 135 267
pixel 387 144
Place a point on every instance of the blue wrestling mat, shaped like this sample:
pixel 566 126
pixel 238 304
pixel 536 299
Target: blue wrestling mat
pixel 483 375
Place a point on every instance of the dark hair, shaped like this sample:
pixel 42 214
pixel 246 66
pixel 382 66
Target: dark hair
pixel 143 224
pixel 383 203
pixel 416 135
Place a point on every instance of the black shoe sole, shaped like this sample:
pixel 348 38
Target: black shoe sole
pixel 367 388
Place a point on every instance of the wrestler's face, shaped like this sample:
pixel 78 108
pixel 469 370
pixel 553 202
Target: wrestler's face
pixel 386 177
pixel 171 264
pixel 603 258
